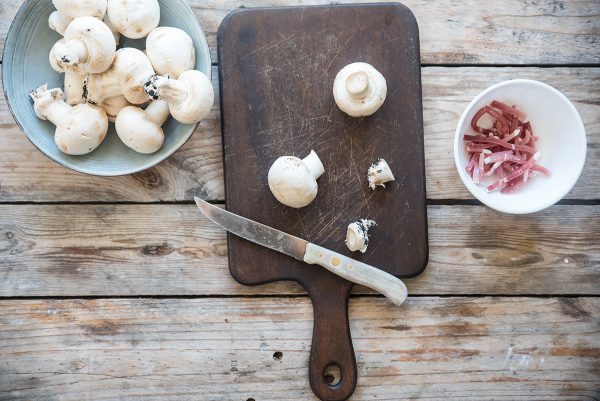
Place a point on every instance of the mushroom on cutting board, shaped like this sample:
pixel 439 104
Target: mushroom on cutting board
pixel 190 97
pixel 88 47
pixel 379 173
pixel 171 51
pixel 80 129
pixel 134 19
pixel 357 235
pixel 68 10
pixel 130 69
pixel 359 89
pixel 293 181
pixel 140 129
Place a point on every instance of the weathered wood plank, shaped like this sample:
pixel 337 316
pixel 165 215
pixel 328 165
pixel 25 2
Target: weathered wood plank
pixel 197 169
pixel 455 31
pixel 172 250
pixel 223 349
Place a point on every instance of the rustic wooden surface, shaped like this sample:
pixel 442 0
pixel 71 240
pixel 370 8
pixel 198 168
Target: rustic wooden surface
pixel 155 314
pixel 247 348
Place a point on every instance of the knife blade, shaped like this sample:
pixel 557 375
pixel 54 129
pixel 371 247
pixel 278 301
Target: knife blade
pixel 352 270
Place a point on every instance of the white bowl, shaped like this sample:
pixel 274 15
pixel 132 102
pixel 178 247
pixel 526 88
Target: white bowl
pixel 562 145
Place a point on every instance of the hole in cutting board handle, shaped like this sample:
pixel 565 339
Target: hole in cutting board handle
pixel 332 375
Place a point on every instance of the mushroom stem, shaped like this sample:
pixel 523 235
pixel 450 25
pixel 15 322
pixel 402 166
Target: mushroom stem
pixel 357 84
pixel 71 53
pixel 51 108
pixel 99 87
pixel 314 165
pixel 158 112
pixel 171 90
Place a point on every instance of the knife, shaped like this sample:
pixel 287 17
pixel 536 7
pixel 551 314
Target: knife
pixel 352 270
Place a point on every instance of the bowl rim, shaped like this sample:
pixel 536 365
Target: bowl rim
pixel 73 167
pixel 475 190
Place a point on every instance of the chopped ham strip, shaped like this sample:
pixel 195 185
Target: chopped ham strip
pixel 507 149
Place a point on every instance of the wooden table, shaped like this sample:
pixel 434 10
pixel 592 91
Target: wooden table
pixel 116 288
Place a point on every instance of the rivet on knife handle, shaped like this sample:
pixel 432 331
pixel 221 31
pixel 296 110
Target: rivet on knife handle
pixel 352 270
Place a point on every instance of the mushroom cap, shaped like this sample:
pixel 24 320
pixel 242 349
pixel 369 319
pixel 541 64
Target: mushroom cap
pixel 82 130
pixel 134 69
pixel 68 10
pixel 81 8
pixel 112 106
pixel 359 89
pixel 171 51
pixel 292 182
pixel 199 101
pixel 138 131
pixel 98 40
pixel 135 19
pixel 52 56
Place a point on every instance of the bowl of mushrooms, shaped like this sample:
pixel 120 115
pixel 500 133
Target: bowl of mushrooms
pixel 107 87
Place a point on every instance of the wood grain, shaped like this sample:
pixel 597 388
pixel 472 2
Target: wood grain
pixel 455 31
pixel 140 250
pixel 197 169
pixel 225 349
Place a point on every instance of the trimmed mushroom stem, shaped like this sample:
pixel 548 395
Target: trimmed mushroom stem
pixel 314 165
pixel 157 112
pixel 357 84
pixel 71 53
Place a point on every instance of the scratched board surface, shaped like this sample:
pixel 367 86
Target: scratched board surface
pixel 277 70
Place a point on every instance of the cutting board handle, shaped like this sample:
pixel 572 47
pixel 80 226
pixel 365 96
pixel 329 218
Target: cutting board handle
pixel 332 366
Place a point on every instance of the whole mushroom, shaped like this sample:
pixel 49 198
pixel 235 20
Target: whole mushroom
pixel 293 181
pixel 80 129
pixel 190 97
pixel 126 76
pixel 134 19
pixel 68 10
pixel 171 51
pixel 359 89
pixel 140 129
pixel 88 47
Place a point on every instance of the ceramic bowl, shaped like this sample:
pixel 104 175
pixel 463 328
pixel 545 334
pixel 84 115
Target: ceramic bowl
pixel 562 145
pixel 25 67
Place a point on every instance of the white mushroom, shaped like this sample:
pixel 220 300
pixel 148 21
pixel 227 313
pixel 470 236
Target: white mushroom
pixel 88 47
pixel 112 106
pixel 140 129
pixel 135 19
pixel 379 173
pixel 190 97
pixel 359 89
pixel 171 51
pixel 74 88
pixel 134 70
pixel 294 181
pixel 113 29
pixel 68 10
pixel 357 237
pixel 125 77
pixel 80 129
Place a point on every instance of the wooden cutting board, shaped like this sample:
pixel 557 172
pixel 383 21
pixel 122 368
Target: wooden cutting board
pixel 277 67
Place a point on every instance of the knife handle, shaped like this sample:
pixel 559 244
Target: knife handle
pixel 357 272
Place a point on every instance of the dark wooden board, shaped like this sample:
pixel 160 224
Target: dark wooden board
pixel 277 72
